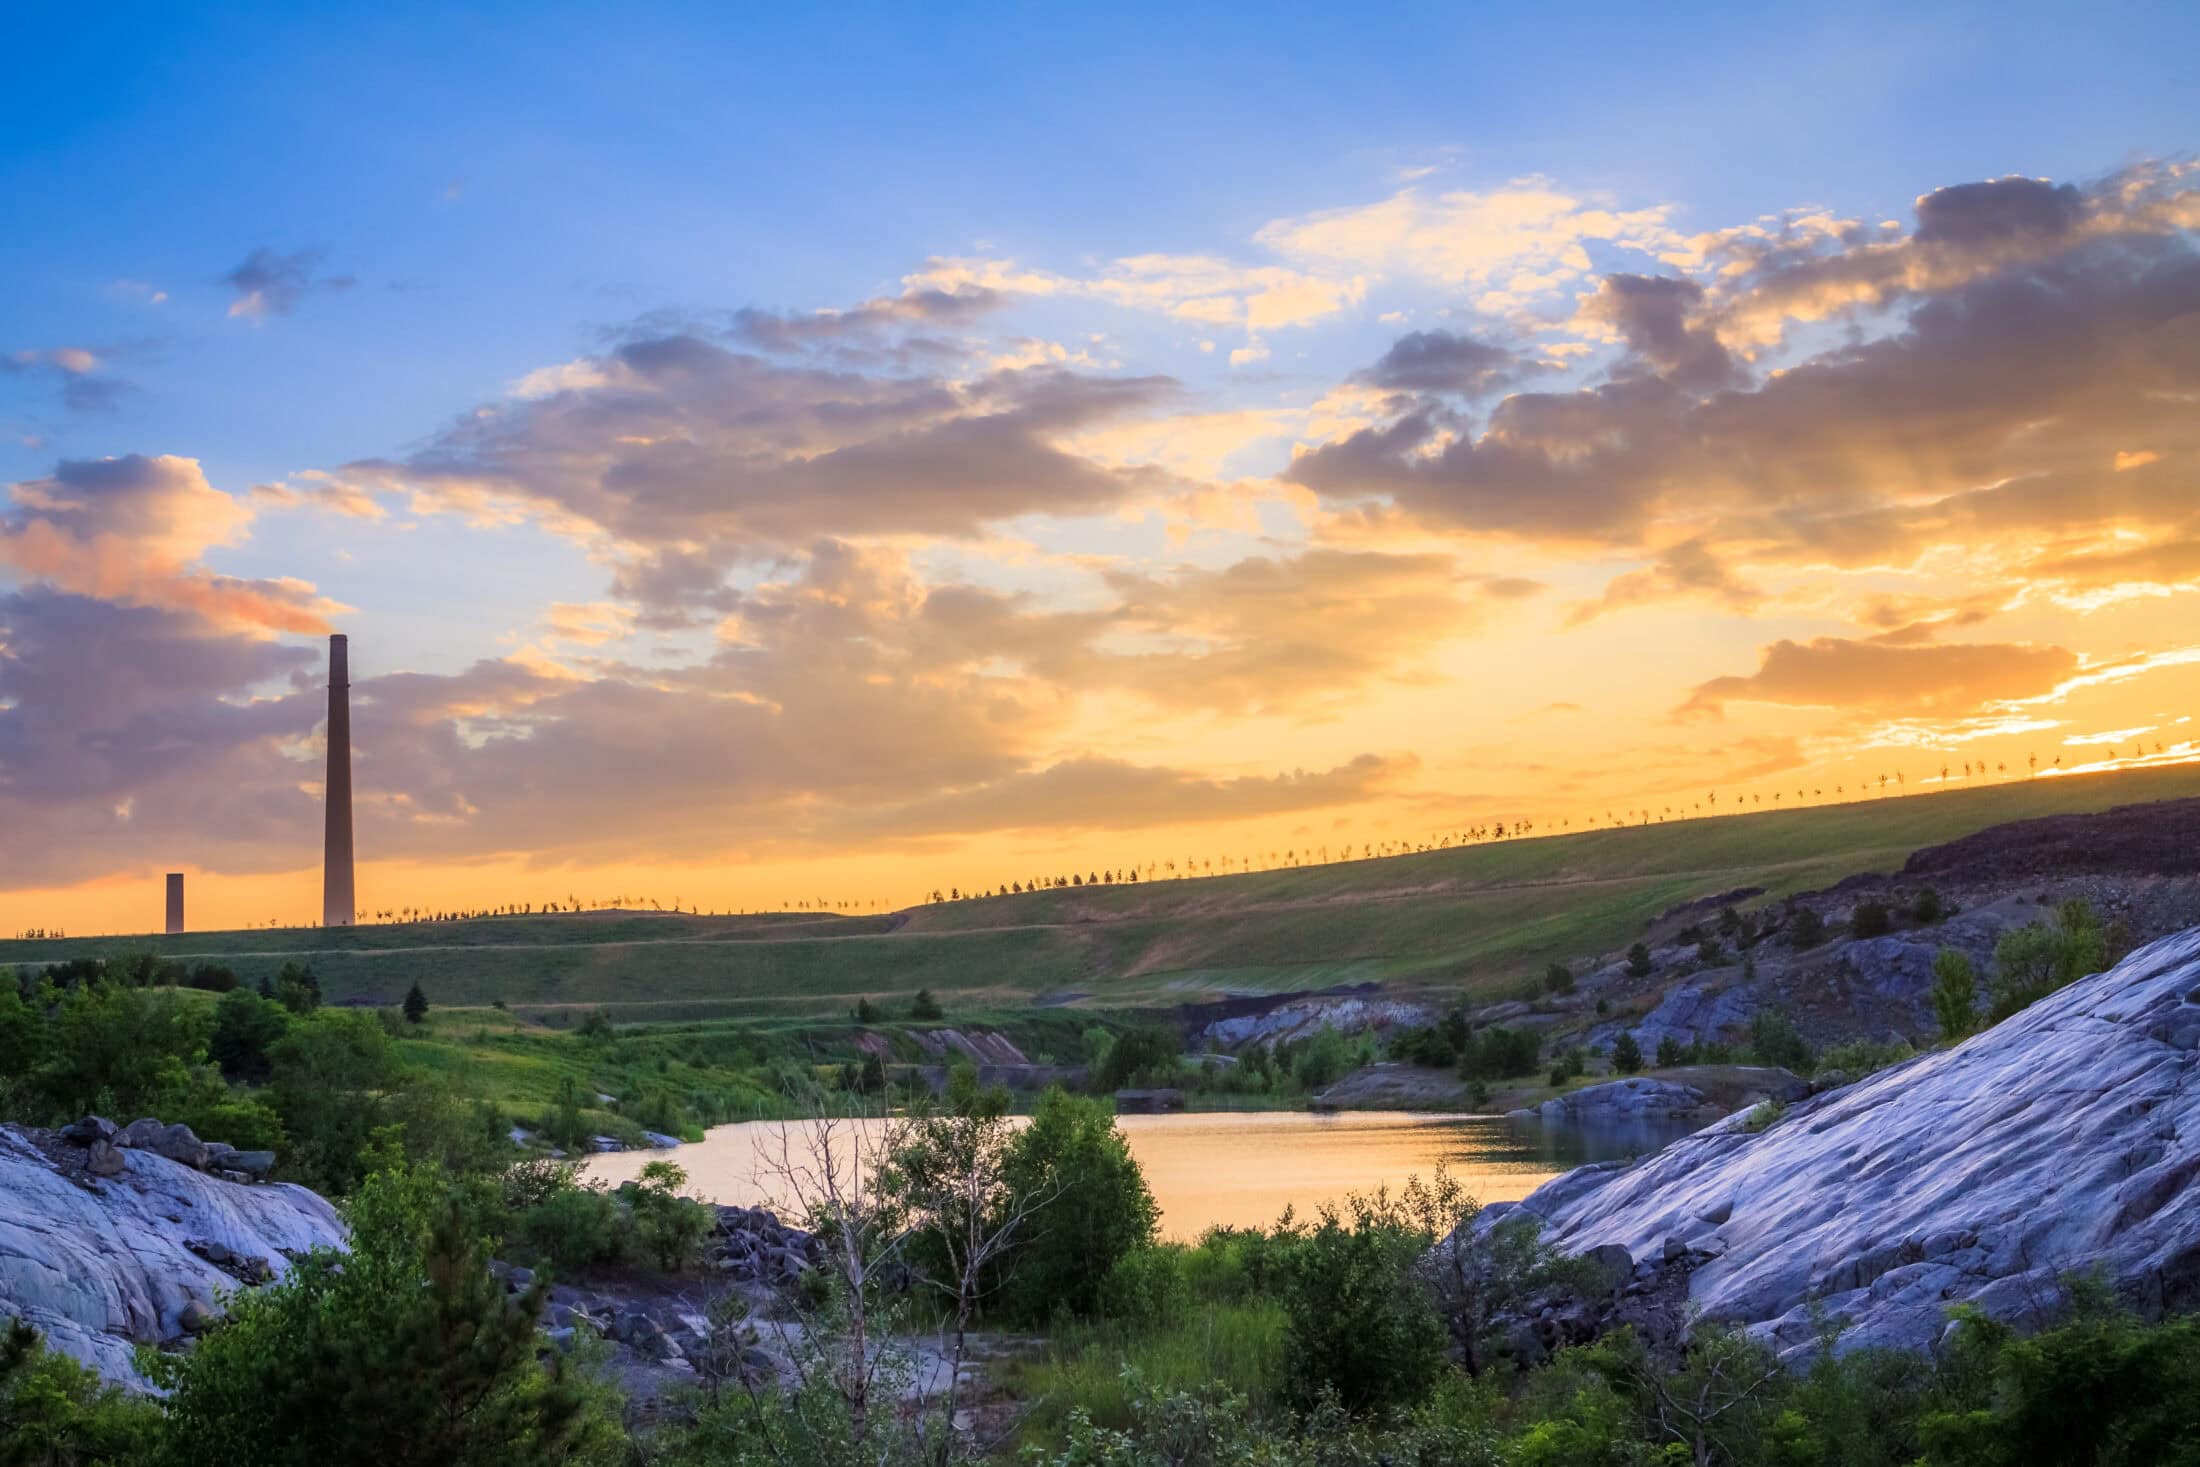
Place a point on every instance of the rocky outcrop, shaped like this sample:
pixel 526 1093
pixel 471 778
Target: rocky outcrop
pixel 1636 1098
pixel 2065 1139
pixel 106 1245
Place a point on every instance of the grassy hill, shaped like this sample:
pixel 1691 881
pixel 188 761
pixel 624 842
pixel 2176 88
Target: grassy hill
pixel 1480 915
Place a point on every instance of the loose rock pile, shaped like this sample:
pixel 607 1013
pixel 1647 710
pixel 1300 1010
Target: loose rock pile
pixel 103 1142
pixel 751 1245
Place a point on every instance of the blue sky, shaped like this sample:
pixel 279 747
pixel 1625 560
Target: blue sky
pixel 435 206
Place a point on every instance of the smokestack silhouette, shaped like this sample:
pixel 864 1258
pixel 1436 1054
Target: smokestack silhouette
pixel 175 901
pixel 336 898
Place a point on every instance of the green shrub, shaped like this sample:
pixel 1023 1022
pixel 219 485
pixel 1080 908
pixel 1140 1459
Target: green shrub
pixel 1805 928
pixel 1638 961
pixel 404 1349
pixel 1558 978
pixel 1361 1327
pixel 2032 962
pixel 1955 994
pixel 1774 1040
pixel 1090 1207
pixel 925 1008
pixel 1499 1053
pixel 1147 1286
pixel 56 1413
pixel 1926 907
pixel 669 1229
pixel 571 1229
pixel 1870 919
pixel 1145 1055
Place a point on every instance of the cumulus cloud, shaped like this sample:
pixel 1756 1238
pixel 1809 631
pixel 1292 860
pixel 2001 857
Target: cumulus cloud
pixel 1659 318
pixel 1510 245
pixel 1834 672
pixel 682 457
pixel 133 529
pixel 2005 400
pixel 142 735
pixel 1448 362
pixel 270 283
pixel 80 371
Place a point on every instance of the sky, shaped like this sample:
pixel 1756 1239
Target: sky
pixel 792 459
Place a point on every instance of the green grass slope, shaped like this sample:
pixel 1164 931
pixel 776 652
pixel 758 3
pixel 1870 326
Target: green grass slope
pixel 1481 914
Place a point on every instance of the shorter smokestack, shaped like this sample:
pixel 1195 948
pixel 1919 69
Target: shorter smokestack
pixel 175 901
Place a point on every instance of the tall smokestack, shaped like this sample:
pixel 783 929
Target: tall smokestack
pixel 175 901
pixel 336 899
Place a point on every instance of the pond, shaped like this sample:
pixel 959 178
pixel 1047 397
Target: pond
pixel 1239 1168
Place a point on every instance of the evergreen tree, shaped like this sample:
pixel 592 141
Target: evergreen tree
pixel 1626 1054
pixel 416 1004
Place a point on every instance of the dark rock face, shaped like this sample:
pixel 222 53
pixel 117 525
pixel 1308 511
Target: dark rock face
pixel 2064 1139
pixel 2139 840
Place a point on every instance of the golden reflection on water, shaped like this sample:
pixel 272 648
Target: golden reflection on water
pixel 1237 1168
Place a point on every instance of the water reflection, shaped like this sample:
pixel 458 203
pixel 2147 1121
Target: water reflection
pixel 1244 1168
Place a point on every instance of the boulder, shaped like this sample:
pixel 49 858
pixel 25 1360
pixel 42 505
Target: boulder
pixel 179 1143
pixel 196 1316
pixel 2063 1140
pixel 1635 1098
pixel 102 1270
pixel 141 1133
pixel 254 1164
pixel 88 1131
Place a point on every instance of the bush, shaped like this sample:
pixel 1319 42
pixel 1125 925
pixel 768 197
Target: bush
pixel 1499 1053
pixel 56 1413
pixel 405 1349
pixel 1361 1327
pixel 1774 1040
pixel 925 1007
pixel 668 1229
pixel 1709 951
pixel 1805 929
pixel 1926 907
pixel 1860 1057
pixel 1870 919
pixel 1147 1286
pixel 1955 994
pixel 1558 978
pixel 1626 1054
pixel 1141 1056
pixel 1638 961
pixel 246 1030
pixel 1091 1207
pixel 572 1228
pixel 2032 962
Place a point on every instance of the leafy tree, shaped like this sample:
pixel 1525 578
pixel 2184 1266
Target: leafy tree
pixel 403 1351
pixel 669 1228
pixel 1088 1206
pixel 246 1030
pixel 1626 1054
pixel 925 1007
pixel 298 988
pixel 22 1036
pixel 1495 1052
pixel 416 1004
pixel 1638 961
pixel 1149 1052
pixel 329 1077
pixel 117 1047
pixel 1955 994
pixel 56 1413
